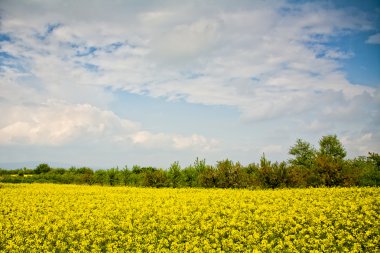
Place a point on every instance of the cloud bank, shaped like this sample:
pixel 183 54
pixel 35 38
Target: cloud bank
pixel 62 62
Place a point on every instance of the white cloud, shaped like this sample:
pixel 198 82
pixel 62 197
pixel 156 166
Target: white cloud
pixel 318 126
pixel 269 60
pixel 56 123
pixel 226 47
pixel 361 143
pixel 374 39
pixel 272 149
pixel 185 43
pixel 176 141
pixel 336 54
pixel 195 140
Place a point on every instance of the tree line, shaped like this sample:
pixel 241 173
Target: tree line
pixel 307 167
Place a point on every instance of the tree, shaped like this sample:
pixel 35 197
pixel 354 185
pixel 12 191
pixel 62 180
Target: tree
pixel 371 172
pixel 223 173
pixel 354 170
pixel 42 168
pixel 281 174
pixel 266 174
pixel 174 174
pixel 375 158
pixel 251 176
pixel 304 154
pixel 329 171
pixel 154 178
pixel 330 161
pixel 113 176
pixel 136 169
pixel 58 171
pixel 125 174
pixel 101 177
pixel 136 177
pixel 330 146
pixel 86 175
pixel 207 177
pixel 200 165
pixel 189 176
pixel 228 174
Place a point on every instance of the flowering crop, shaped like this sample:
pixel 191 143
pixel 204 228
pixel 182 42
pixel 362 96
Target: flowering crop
pixel 71 218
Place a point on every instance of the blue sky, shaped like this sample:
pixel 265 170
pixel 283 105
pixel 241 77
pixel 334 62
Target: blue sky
pixel 114 83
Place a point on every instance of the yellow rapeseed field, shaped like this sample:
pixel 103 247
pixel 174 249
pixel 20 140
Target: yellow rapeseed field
pixel 72 218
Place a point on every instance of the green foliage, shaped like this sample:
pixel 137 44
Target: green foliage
pixel 155 178
pixel 200 165
pixel 331 147
pixel 228 174
pixel 329 161
pixel 136 169
pixel 207 177
pixel 273 175
pixel 112 176
pixel 59 171
pixel 304 154
pixel 298 176
pixel 371 173
pixel 307 168
pixel 125 176
pixel 265 173
pixel 42 168
pixel 101 177
pixel 375 158
pixel 175 175
pixel 189 177
pixel 329 170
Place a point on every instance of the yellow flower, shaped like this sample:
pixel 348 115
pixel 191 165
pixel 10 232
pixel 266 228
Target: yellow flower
pixel 70 218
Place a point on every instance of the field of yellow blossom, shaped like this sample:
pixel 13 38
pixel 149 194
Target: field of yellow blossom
pixel 72 218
